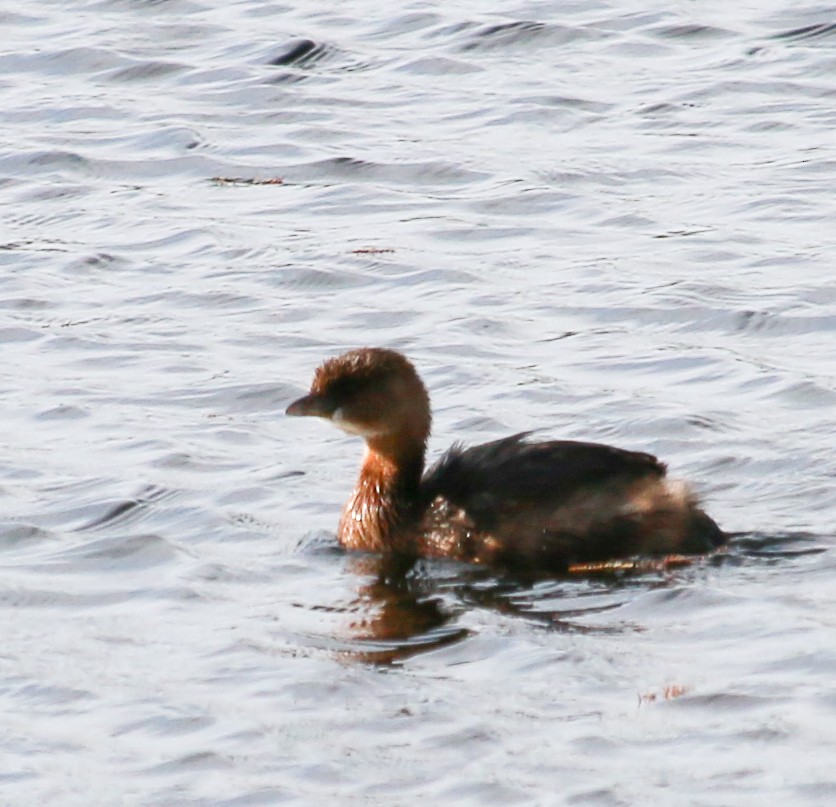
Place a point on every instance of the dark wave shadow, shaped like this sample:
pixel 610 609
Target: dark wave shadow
pixel 746 547
pixel 821 30
pixel 128 510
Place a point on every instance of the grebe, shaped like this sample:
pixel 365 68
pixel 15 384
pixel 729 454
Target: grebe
pixel 511 503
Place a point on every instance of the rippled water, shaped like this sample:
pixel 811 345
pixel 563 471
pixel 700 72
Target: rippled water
pixel 611 221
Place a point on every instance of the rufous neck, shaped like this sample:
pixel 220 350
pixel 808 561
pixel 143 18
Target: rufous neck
pixel 397 459
pixel 383 505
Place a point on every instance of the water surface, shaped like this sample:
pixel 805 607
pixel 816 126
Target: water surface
pixel 608 221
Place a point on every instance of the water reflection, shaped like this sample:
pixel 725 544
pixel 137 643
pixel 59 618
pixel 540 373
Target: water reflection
pixel 398 617
pixel 404 608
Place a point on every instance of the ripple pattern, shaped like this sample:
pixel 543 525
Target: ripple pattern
pixel 606 221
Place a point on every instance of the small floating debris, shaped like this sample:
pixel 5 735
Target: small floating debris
pixel 669 693
pixel 247 181
pixel 371 251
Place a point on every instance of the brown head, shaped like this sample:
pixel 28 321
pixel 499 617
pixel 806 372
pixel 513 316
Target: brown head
pixel 374 393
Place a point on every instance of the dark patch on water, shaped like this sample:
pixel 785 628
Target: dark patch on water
pixel 808 32
pixel 300 52
pixel 693 31
pixel 129 510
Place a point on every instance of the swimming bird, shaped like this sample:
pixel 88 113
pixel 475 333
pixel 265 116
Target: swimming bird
pixel 511 502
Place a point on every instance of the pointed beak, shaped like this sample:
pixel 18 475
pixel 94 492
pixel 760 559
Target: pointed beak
pixel 311 406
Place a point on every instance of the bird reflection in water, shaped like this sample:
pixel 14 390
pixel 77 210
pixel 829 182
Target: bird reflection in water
pixel 397 617
pixel 403 609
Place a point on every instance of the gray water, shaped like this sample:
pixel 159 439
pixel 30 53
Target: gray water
pixel 604 220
